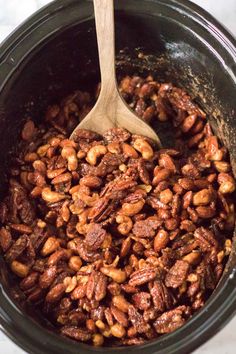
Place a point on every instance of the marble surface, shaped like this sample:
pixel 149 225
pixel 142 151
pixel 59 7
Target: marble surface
pixel 12 13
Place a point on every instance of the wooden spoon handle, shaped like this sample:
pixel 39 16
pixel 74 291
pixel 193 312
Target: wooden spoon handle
pixel 104 19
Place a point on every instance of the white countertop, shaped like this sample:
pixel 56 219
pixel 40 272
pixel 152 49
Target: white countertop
pixel 12 13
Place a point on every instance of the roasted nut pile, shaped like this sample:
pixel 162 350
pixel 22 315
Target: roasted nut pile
pixel 115 241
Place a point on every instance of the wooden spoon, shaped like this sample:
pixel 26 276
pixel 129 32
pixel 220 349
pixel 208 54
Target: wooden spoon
pixel 110 109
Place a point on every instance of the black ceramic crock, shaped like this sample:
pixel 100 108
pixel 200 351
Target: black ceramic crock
pixel 53 53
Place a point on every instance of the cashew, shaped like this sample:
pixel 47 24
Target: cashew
pixel 89 200
pixel 144 148
pixel 94 153
pixel 126 224
pixel 52 197
pixel 130 209
pixel 69 154
pixel 117 275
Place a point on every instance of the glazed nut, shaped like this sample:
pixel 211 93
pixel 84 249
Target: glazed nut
pixel 75 263
pixel 100 324
pixel 50 246
pixel 42 224
pixel 160 240
pixel 227 187
pixel 90 325
pixel 118 331
pixel 144 148
pixel 114 147
pixel 228 246
pixel 65 212
pixel 146 187
pixel 40 166
pixel 202 197
pixel 160 174
pixel 42 150
pixel 120 302
pixel 220 256
pixel 55 173
pixel 118 275
pixel 123 167
pixel 226 182
pixel 222 166
pixel 125 247
pixel 31 157
pixel 91 181
pixel 125 224
pixel 69 154
pixel 70 283
pixel 51 196
pixel 94 153
pixel 55 293
pixel 81 154
pixel 107 241
pixel 20 269
pixel 193 257
pixel 131 209
pixel 166 196
pixel 98 339
pixel 129 151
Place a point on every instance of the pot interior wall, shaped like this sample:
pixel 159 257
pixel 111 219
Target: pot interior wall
pixel 68 60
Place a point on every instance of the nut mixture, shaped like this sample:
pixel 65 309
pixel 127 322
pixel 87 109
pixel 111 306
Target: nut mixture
pixel 115 241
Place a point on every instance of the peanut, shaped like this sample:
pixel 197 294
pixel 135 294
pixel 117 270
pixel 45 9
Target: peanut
pixel 161 240
pixel 118 331
pixel 202 197
pixel 50 246
pixel 75 263
pixel 20 269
